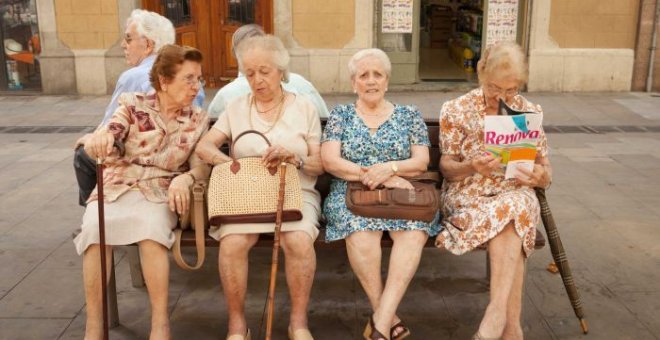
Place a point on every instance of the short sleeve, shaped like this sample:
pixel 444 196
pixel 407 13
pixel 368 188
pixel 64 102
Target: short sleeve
pixel 217 105
pixel 314 132
pixel 542 144
pixel 419 134
pixel 335 126
pixel 451 132
pixel 120 121
pixel 222 125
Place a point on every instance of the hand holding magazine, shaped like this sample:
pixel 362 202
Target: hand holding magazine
pixel 512 136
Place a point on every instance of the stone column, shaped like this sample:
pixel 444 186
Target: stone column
pixel 56 61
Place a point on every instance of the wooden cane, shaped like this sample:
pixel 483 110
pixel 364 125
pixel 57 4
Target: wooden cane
pixel 276 248
pixel 104 288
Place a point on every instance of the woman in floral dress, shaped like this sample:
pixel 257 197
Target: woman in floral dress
pixel 479 205
pixel 378 143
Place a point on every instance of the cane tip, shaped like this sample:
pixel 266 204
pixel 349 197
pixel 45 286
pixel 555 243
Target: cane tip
pixel 585 327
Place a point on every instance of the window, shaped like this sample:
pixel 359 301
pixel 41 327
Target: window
pixel 178 11
pixel 240 12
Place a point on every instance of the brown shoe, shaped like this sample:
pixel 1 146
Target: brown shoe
pixel 300 334
pixel 405 331
pixel 371 333
pixel 247 336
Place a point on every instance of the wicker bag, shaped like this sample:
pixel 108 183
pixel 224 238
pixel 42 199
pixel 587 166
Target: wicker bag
pixel 244 191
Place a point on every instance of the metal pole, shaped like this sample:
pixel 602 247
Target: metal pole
pixel 649 77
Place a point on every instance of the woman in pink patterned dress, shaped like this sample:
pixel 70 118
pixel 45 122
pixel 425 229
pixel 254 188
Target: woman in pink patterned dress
pixel 147 186
pixel 479 205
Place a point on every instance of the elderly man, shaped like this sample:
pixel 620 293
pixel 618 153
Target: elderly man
pixel 146 32
pixel 239 86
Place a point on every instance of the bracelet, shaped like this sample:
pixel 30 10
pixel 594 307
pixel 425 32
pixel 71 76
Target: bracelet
pixel 300 164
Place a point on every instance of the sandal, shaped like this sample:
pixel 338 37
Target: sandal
pixel 405 332
pixel 478 336
pixel 247 336
pixel 370 331
pixel 300 334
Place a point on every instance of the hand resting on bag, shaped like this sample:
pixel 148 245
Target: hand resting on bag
pixel 398 182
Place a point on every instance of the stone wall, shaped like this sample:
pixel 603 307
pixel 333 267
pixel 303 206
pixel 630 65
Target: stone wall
pixel 642 52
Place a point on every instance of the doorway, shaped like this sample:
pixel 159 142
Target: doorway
pixel 208 25
pixel 19 32
pixel 450 39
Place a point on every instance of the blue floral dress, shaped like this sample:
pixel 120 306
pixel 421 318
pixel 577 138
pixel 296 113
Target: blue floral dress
pixel 391 142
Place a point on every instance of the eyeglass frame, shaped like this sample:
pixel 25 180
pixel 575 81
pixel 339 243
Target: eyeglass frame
pixel 190 80
pixel 496 90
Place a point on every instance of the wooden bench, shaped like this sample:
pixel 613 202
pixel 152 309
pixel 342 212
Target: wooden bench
pixel 266 240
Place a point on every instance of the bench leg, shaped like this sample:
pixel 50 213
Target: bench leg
pixel 113 312
pixel 136 268
pixel 488 266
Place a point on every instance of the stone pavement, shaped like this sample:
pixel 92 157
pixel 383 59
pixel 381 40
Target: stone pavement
pixel 605 198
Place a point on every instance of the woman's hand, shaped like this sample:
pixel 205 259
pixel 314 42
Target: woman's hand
pixel 377 174
pixel 276 154
pixel 179 193
pixel 100 144
pixel 398 182
pixel 538 178
pixel 485 165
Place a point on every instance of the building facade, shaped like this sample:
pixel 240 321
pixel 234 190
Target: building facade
pixel 573 45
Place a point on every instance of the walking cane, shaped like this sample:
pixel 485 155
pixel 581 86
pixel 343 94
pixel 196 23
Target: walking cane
pixel 104 288
pixel 276 248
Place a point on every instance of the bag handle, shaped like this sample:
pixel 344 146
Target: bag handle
pixel 198 191
pixel 235 165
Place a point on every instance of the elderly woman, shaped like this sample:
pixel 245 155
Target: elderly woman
pixel 377 143
pixel 147 186
pixel 479 205
pixel 292 124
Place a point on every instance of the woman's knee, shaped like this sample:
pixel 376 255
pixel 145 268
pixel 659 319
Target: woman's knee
pixel 411 238
pixel 237 243
pixel 297 244
pixel 363 241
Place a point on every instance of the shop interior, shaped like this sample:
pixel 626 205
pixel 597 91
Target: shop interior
pixel 450 39
pixel 19 32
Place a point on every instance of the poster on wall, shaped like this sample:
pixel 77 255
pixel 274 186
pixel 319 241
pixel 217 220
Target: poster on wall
pixel 397 16
pixel 502 21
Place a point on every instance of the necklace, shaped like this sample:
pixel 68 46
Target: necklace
pixel 377 115
pixel 277 118
pixel 272 107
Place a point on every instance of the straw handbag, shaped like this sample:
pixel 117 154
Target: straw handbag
pixel 244 191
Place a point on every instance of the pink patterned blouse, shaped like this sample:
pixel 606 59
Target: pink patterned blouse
pixel 155 152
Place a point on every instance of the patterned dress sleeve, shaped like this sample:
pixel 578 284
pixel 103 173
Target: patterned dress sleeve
pixel 542 144
pixel 121 119
pixel 419 134
pixel 335 126
pixel 451 132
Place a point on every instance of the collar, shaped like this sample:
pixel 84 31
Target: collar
pixel 148 61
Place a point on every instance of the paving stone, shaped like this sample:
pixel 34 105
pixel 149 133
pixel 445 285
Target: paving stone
pixel 34 328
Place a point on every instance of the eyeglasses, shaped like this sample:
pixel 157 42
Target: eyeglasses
pixel 128 39
pixel 192 81
pixel 496 90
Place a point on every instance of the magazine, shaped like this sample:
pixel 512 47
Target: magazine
pixel 512 136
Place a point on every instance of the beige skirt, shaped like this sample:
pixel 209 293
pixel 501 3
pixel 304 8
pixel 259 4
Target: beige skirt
pixel 129 219
pixel 308 224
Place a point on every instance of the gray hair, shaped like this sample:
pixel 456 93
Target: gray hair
pixel 271 44
pixel 503 59
pixel 243 32
pixel 369 52
pixel 153 26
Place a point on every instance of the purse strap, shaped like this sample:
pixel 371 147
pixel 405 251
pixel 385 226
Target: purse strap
pixel 198 224
pixel 235 165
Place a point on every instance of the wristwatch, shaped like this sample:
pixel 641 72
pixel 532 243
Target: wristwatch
pixel 395 168
pixel 300 164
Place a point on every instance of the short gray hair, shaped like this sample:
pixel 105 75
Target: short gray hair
pixel 271 44
pixel 243 32
pixel 503 59
pixel 153 26
pixel 369 52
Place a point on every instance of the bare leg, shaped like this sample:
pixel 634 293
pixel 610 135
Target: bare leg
pixel 513 329
pixel 404 260
pixel 156 270
pixel 92 283
pixel 233 267
pixel 365 254
pixel 505 254
pixel 300 267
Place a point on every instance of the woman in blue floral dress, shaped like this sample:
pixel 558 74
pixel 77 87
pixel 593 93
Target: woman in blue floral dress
pixel 377 143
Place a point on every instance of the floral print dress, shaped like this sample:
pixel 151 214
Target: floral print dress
pixel 391 142
pixel 478 208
